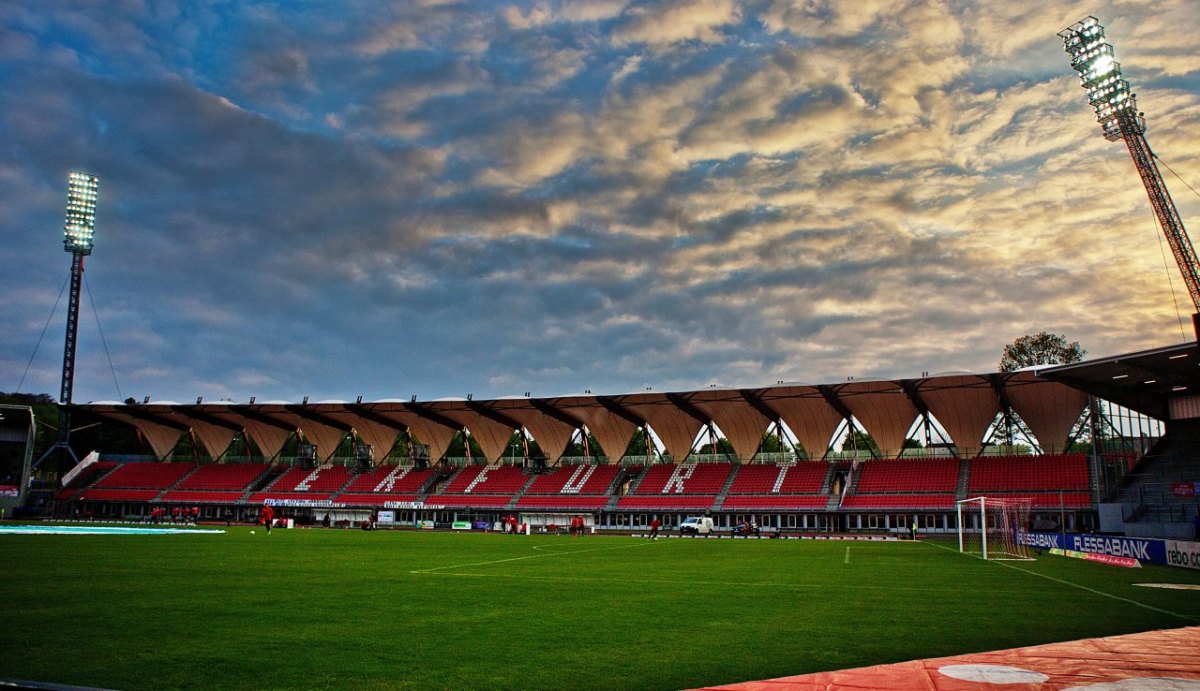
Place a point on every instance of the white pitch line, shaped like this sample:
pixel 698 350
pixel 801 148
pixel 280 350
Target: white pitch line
pixel 719 584
pixel 540 555
pixel 1126 600
pixel 1100 592
pixel 847 560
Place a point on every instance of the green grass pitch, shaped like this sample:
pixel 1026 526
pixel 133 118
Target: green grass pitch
pixel 349 609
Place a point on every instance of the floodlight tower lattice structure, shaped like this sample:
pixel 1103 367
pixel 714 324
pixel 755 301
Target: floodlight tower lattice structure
pixel 78 231
pixel 1116 111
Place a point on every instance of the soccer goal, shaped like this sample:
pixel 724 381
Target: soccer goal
pixel 991 527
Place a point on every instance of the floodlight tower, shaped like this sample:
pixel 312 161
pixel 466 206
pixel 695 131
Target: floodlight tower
pixel 77 239
pixel 1116 110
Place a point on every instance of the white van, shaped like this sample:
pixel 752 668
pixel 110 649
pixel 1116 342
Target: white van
pixel 696 525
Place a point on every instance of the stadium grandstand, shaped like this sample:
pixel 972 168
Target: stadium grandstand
pixel 1081 453
pixel 17 435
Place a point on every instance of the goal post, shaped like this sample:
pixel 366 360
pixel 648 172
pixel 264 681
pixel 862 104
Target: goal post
pixel 992 527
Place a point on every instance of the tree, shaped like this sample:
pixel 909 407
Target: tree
pixel 772 443
pixel 637 445
pixel 858 440
pixel 575 448
pixel 519 446
pixel 458 448
pixel 724 448
pixel 241 446
pixel 1040 349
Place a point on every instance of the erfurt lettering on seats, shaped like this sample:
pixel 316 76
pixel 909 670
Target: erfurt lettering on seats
pixel 682 472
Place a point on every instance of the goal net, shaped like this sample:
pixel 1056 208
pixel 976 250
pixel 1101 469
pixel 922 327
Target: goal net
pixel 991 527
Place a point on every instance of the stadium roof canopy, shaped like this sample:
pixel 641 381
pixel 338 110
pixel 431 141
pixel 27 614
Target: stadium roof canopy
pixel 1163 383
pixel 15 422
pixel 963 405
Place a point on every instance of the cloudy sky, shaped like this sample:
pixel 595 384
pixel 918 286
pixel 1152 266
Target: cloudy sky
pixel 353 197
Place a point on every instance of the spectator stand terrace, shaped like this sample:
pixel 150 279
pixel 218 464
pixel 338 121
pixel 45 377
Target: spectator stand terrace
pixel 785 490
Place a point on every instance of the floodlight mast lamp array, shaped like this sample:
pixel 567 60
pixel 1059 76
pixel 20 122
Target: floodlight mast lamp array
pixel 78 231
pixel 1116 111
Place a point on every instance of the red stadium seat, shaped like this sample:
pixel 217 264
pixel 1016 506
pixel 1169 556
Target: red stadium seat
pixel 390 479
pixel 563 501
pixel 781 502
pixel 804 477
pixel 325 478
pixel 1029 473
pixel 261 497
pixel 140 475
pixel 222 476
pixel 90 474
pixel 684 478
pixel 682 502
pixel 201 497
pixel 931 475
pixel 575 479
pixel 898 501
pixel 375 499
pixel 486 479
pixel 469 501
pixel 102 494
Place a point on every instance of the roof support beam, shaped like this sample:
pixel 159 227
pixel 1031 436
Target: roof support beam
pixel 133 411
pixel 265 419
pixel 831 397
pixel 193 413
pixel 760 405
pixel 694 412
pixel 835 401
pixel 369 414
pixel 433 416
pixel 83 413
pixel 320 419
pixel 997 382
pixel 494 415
pixel 620 411
pixel 550 411
pixel 910 390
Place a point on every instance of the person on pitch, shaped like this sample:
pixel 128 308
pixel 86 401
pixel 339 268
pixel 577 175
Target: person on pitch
pixel 267 517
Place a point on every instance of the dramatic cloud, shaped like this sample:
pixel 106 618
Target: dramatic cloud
pixel 442 198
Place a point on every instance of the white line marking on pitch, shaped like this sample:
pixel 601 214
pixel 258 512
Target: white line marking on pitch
pixel 847 560
pixel 1135 603
pixel 1100 592
pixel 540 555
pixel 715 584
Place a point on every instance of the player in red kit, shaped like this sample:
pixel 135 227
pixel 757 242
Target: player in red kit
pixel 267 516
